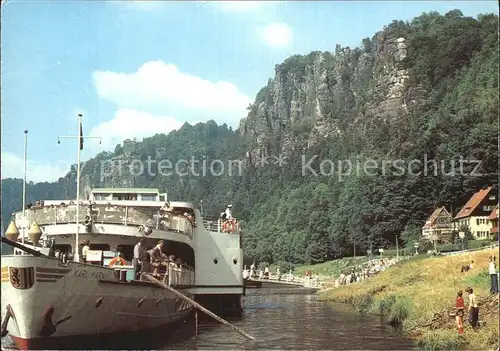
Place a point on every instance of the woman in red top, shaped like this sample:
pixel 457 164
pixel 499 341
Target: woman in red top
pixel 459 314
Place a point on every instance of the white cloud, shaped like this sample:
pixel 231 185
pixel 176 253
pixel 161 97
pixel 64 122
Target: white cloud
pixel 162 89
pixel 276 35
pixel 129 124
pixel 36 171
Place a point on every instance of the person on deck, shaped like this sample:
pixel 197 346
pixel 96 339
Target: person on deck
pixel 228 213
pixel 157 256
pixel 138 252
pixel 85 250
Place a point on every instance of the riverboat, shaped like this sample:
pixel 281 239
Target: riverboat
pixel 49 294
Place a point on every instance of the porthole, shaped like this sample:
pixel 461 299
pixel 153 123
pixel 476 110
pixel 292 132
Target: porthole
pixel 216 260
pixel 235 260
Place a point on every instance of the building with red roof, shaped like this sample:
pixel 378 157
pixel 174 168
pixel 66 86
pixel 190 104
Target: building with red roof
pixel 439 226
pixel 476 212
pixel 494 221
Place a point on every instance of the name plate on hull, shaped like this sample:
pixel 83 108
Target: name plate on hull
pixel 88 273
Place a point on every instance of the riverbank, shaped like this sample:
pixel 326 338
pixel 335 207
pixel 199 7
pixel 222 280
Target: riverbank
pixel 418 296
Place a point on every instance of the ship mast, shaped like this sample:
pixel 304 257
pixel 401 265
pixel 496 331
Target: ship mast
pixel 80 138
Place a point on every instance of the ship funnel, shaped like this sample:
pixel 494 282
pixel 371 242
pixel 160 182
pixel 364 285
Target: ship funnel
pixel 12 232
pixel 35 233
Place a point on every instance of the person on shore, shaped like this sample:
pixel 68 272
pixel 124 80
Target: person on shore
pixel 252 270
pixel 492 269
pixel 459 314
pixel 473 309
pixel 266 272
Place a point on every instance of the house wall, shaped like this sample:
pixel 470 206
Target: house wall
pixel 443 227
pixel 479 227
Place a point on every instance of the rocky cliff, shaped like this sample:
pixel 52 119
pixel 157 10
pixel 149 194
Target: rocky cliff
pixel 325 94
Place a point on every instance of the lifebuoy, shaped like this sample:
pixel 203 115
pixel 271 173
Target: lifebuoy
pixel 228 226
pixel 116 259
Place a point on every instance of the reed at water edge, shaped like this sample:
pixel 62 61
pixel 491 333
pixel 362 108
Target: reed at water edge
pixel 419 295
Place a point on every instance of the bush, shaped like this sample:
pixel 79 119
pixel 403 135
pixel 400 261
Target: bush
pixel 441 340
pixel 385 305
pixel 363 304
pixel 400 310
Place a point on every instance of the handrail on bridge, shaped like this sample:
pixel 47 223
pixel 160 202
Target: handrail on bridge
pixel 285 278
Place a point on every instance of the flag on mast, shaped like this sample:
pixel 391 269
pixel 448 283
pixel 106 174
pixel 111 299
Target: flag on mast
pixel 81 136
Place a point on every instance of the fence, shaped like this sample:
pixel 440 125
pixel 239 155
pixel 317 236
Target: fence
pixel 181 276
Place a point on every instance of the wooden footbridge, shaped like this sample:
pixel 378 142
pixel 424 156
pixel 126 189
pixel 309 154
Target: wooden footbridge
pixel 258 278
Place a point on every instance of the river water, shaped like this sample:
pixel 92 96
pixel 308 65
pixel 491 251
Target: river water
pixel 283 319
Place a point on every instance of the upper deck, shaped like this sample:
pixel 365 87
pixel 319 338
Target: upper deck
pixel 146 208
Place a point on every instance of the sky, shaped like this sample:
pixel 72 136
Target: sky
pixel 137 68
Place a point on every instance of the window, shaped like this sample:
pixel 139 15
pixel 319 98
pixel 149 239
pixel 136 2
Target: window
pixel 491 197
pixel 63 248
pixel 127 251
pixel 102 247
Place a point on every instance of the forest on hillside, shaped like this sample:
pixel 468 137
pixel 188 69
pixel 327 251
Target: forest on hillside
pixel 448 112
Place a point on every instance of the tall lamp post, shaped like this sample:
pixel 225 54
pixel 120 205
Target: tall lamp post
pixel 435 237
pixel 416 245
pixel 397 248
pixel 461 235
pixel 25 221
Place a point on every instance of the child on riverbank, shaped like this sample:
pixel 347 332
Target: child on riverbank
pixel 459 314
pixel 473 309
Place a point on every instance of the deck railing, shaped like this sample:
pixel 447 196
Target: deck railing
pixel 181 276
pixel 219 226
pixel 105 214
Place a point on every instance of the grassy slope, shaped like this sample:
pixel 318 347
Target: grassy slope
pixel 410 294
